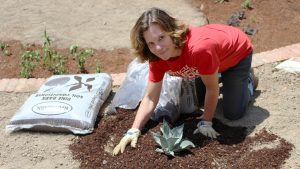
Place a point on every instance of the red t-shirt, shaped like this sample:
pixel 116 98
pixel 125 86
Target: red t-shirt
pixel 207 49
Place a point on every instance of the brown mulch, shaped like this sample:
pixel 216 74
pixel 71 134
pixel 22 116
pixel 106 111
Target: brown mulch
pixel 233 149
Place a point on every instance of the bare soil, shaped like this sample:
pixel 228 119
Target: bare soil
pixel 276 23
pixel 110 61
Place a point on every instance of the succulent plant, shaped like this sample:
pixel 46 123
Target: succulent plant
pixel 171 139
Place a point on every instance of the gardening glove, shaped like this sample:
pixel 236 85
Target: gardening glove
pixel 130 137
pixel 205 128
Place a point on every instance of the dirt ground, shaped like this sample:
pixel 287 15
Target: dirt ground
pixel 28 149
pixel 106 25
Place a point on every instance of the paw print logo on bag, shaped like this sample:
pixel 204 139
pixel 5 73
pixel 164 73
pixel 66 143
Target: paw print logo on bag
pixel 65 83
pixel 78 85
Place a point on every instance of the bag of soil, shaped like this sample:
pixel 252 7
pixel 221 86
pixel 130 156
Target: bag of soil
pixel 174 100
pixel 64 103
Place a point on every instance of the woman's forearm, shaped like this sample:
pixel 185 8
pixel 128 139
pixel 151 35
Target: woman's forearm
pixel 144 113
pixel 147 105
pixel 210 104
pixel 211 83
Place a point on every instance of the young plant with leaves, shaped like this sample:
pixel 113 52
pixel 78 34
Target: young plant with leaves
pixel 171 140
pixel 98 68
pixel 52 59
pixel 47 50
pixel 5 49
pixel 2 45
pixel 26 46
pixel 73 51
pixel 80 57
pixel 247 4
pixel 28 60
pixel 58 64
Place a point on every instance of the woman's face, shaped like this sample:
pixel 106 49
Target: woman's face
pixel 160 43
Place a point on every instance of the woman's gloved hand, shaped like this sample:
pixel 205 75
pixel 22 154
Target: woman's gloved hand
pixel 205 128
pixel 130 137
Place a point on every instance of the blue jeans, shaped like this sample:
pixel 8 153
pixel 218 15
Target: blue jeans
pixel 235 89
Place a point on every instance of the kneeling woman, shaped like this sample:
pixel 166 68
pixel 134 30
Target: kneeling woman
pixel 192 52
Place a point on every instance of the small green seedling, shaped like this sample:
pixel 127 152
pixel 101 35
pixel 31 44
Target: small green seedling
pixel 4 47
pixel 171 140
pixel 26 46
pixel 80 57
pixel 47 40
pixel 73 51
pixel 247 4
pixel 220 1
pixel 7 52
pixel 98 68
pixel 28 60
pixel 47 50
pixel 54 61
pixel 58 64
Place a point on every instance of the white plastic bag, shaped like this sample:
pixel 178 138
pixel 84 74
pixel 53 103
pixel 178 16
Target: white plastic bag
pixel 292 65
pixel 133 87
pixel 170 105
pixel 64 103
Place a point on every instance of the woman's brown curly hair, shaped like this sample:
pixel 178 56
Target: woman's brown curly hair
pixel 176 30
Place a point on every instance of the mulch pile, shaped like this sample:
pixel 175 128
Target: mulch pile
pixel 233 149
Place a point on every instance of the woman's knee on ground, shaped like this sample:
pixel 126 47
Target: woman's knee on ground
pixel 231 113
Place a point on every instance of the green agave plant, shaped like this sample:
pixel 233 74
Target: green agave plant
pixel 171 139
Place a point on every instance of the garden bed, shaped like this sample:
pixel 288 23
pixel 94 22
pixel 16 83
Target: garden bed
pixel 233 149
pixel 277 24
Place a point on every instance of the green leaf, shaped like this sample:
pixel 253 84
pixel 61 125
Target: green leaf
pixel 171 139
pixel 88 51
pixel 163 141
pixel 47 41
pixel 171 153
pixel 185 144
pixel 2 46
pixel 159 139
pixel 156 137
pixel 171 142
pixel 73 49
pixel 7 52
pixel 177 131
pixel 164 151
pixel 165 129
pixel 159 150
